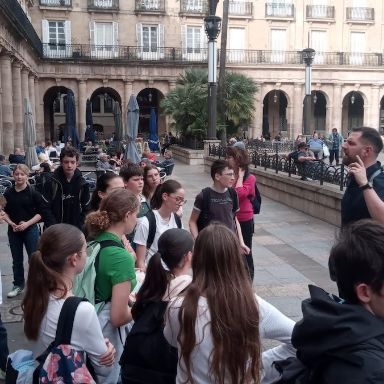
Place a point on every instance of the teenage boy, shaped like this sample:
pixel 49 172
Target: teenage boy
pixel 342 339
pixel 67 192
pixel 217 203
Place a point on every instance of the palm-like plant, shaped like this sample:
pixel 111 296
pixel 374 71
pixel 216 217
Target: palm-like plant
pixel 187 102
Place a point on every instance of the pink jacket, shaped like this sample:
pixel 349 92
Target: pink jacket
pixel 246 193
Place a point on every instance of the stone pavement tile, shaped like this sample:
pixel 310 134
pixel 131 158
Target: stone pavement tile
pixel 286 274
pixel 267 240
pixel 290 306
pixel 317 250
pixel 264 278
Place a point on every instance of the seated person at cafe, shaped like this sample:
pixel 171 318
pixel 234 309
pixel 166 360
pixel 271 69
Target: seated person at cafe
pixel 304 159
pixel 103 163
pixel 17 157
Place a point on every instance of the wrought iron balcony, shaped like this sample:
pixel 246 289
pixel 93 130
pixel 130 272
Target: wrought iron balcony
pixel 240 8
pixel 55 3
pixel 13 11
pixel 170 55
pixel 194 7
pixel 150 6
pixel 360 14
pixel 103 5
pixel 280 10
pixel 320 12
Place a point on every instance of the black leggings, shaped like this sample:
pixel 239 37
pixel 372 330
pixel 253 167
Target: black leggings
pixel 247 228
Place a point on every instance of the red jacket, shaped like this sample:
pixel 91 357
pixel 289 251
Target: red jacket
pixel 246 193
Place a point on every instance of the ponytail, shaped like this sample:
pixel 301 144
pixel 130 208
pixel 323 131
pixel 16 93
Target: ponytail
pixel 42 280
pixel 168 187
pixel 154 286
pixel 97 222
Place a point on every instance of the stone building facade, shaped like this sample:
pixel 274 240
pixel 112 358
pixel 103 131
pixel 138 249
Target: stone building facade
pixel 106 50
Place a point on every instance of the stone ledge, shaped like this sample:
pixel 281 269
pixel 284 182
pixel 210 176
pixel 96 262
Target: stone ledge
pixel 187 155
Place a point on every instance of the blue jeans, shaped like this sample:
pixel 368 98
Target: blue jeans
pixel 29 239
pixel 3 346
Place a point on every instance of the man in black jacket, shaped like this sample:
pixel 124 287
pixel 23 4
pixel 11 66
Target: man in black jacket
pixel 67 193
pixel 341 340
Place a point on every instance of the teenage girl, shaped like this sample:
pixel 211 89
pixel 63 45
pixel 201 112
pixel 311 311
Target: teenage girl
pixel 165 202
pixel 52 268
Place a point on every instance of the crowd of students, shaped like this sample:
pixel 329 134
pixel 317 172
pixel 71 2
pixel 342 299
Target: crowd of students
pixel 195 317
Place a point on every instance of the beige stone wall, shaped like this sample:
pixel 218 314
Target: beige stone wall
pixel 41 78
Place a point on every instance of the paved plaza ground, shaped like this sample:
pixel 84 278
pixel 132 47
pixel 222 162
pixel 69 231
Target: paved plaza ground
pixel 290 251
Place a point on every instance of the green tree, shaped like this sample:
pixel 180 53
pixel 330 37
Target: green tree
pixel 187 102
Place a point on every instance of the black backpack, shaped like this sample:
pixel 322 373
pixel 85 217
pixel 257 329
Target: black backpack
pixel 256 201
pixel 205 216
pixel 147 356
pixel 152 226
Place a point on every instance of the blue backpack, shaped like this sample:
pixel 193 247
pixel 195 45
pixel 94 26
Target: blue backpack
pixel 60 362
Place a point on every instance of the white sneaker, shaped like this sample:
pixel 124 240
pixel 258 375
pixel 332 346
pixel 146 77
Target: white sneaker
pixel 15 292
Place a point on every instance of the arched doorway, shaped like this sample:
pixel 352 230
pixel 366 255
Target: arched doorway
pixel 353 112
pixel 319 111
pixel 54 112
pixel 274 114
pixel 147 99
pixel 102 100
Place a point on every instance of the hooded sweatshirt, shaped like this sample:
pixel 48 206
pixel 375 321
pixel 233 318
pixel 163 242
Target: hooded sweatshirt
pixel 68 200
pixel 344 341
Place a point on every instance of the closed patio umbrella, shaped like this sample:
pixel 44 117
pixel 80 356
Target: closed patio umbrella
pixel 153 140
pixel 70 120
pixel 29 135
pixel 131 152
pixel 89 132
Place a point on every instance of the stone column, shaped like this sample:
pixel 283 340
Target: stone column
pixel 257 129
pixel 297 115
pixel 7 102
pixel 39 106
pixel 31 94
pixel 82 108
pixel 337 108
pixel 17 104
pixel 374 120
pixel 24 95
pixel 128 91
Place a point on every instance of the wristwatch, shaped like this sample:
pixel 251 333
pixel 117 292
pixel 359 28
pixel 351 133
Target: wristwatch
pixel 368 185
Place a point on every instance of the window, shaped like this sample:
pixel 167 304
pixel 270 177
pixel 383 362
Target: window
pixel 194 43
pixel 318 43
pixel 150 38
pixel 194 5
pixel 236 45
pixel 357 48
pixel 319 8
pixel 278 45
pixel 104 39
pixel 57 38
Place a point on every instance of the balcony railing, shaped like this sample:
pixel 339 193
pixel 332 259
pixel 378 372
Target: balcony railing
pixel 103 5
pixel 240 8
pixel 281 10
pixel 360 14
pixel 13 11
pixel 87 52
pixel 149 5
pixel 320 12
pixel 194 7
pixel 56 3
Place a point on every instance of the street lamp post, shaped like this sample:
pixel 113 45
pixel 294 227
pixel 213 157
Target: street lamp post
pixel 212 29
pixel 308 55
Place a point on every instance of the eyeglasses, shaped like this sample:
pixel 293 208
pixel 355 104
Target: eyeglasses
pixel 179 200
pixel 230 174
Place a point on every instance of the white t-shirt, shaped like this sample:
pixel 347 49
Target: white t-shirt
pixel 86 333
pixel 273 325
pixel 142 230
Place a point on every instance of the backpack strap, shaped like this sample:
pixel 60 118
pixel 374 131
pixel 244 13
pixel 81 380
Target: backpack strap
pixel 178 220
pixel 235 200
pixel 66 319
pixel 376 173
pixel 105 244
pixel 206 199
pixel 152 228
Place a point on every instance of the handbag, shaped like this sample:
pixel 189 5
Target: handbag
pixel 325 150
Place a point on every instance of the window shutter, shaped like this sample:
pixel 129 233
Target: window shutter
pixel 139 28
pixel 161 35
pixel 115 33
pixel 92 32
pixel 68 38
pixel 184 39
pixel 45 31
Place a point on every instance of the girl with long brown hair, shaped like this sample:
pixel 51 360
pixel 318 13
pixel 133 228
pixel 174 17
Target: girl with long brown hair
pixel 151 181
pixel 61 254
pixel 218 323
pixel 115 276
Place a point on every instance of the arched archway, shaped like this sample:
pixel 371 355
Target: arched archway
pixel 319 111
pixel 149 98
pixel 102 100
pixel 274 114
pixel 353 112
pixel 54 112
